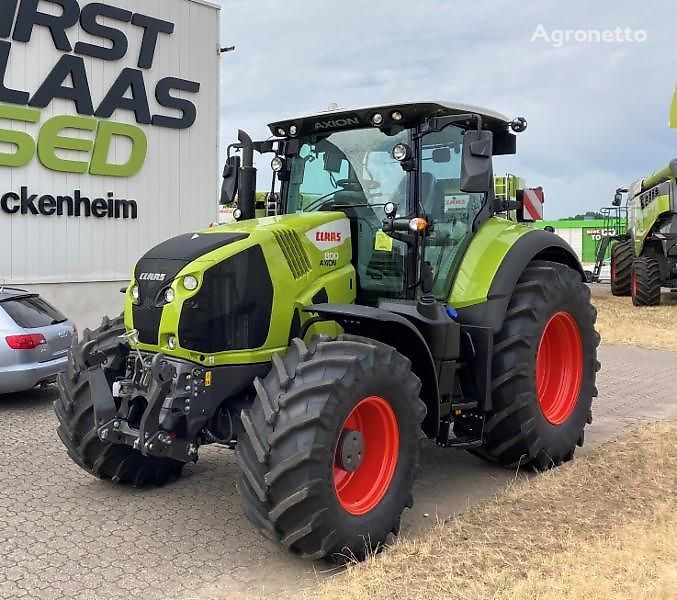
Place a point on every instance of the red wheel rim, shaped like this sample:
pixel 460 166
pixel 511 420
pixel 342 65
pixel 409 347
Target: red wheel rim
pixel 613 270
pixel 559 368
pixel 361 490
pixel 634 284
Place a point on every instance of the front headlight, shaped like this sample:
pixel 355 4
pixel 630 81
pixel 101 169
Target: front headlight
pixel 190 283
pixel 136 295
pixel 170 295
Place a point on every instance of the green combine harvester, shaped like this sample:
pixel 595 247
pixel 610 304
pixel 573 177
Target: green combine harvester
pixel 644 260
pixel 383 302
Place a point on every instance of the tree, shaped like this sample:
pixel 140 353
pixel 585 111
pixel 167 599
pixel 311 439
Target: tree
pixel 591 214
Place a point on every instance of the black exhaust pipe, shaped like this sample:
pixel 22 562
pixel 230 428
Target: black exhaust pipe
pixel 247 183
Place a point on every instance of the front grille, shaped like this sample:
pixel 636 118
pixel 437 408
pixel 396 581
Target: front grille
pixel 293 251
pixel 233 307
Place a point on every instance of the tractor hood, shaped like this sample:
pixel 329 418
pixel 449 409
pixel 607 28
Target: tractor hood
pixel 213 291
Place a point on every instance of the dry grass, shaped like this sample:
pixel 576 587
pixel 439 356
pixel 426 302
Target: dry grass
pixel 601 527
pixel 619 322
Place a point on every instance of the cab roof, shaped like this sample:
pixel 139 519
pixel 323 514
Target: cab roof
pixel 412 113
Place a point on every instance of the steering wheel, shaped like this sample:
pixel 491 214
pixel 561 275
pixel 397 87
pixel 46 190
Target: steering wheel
pixel 345 185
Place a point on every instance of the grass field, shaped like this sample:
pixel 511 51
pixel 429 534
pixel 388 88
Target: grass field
pixel 604 526
pixel 619 322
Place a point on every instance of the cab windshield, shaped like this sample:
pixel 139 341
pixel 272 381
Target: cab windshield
pixel 346 168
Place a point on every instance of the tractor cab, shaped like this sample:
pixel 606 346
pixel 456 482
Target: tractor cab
pixel 385 166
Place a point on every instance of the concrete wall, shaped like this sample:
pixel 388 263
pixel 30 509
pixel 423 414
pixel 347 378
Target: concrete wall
pixel 83 303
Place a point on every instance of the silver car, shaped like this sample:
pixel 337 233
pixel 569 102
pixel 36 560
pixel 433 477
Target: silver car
pixel 34 340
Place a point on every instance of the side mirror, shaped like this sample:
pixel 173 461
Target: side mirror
pixel 476 166
pixel 231 179
pixel 618 199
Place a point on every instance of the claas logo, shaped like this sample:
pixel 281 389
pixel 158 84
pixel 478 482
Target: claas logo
pixel 328 236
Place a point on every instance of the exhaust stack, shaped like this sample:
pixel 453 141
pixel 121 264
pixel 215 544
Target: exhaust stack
pixel 247 184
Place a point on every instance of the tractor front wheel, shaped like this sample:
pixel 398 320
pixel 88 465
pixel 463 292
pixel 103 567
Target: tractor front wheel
pixel 622 255
pixel 331 447
pixel 646 282
pixel 77 426
pixel 544 369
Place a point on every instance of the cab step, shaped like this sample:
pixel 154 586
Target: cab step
pixel 462 442
pixel 446 439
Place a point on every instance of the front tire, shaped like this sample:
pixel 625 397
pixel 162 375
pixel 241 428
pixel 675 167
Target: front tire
pixel 646 282
pixel 544 370
pixel 77 427
pixel 331 447
pixel 622 255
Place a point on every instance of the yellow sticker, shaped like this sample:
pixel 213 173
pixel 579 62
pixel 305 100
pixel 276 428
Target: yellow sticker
pixel 208 378
pixel 383 242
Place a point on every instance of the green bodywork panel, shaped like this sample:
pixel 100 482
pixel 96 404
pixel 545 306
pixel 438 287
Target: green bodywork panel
pixel 651 200
pixel 643 220
pixel 660 176
pixel 483 259
pixel 330 270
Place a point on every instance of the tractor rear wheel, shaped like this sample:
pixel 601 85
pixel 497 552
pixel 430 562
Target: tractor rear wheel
pixel 544 369
pixel 331 447
pixel 646 282
pixel 77 428
pixel 622 255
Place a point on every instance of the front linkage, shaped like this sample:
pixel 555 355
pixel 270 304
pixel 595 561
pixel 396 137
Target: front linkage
pixel 157 397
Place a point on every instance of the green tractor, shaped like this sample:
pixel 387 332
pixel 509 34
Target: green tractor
pixel 644 260
pixel 382 301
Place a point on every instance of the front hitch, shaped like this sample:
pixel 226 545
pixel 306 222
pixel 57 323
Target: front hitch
pixel 162 374
pixel 149 439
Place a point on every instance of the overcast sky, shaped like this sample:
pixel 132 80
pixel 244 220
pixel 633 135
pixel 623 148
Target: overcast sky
pixel 597 111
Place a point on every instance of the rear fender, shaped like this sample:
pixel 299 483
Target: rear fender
pixel 532 245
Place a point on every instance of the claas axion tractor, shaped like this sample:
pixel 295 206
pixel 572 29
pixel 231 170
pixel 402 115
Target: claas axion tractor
pixel 644 259
pixel 386 300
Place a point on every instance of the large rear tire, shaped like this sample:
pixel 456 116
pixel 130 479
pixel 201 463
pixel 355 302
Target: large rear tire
pixel 75 411
pixel 331 447
pixel 622 255
pixel 544 369
pixel 646 282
